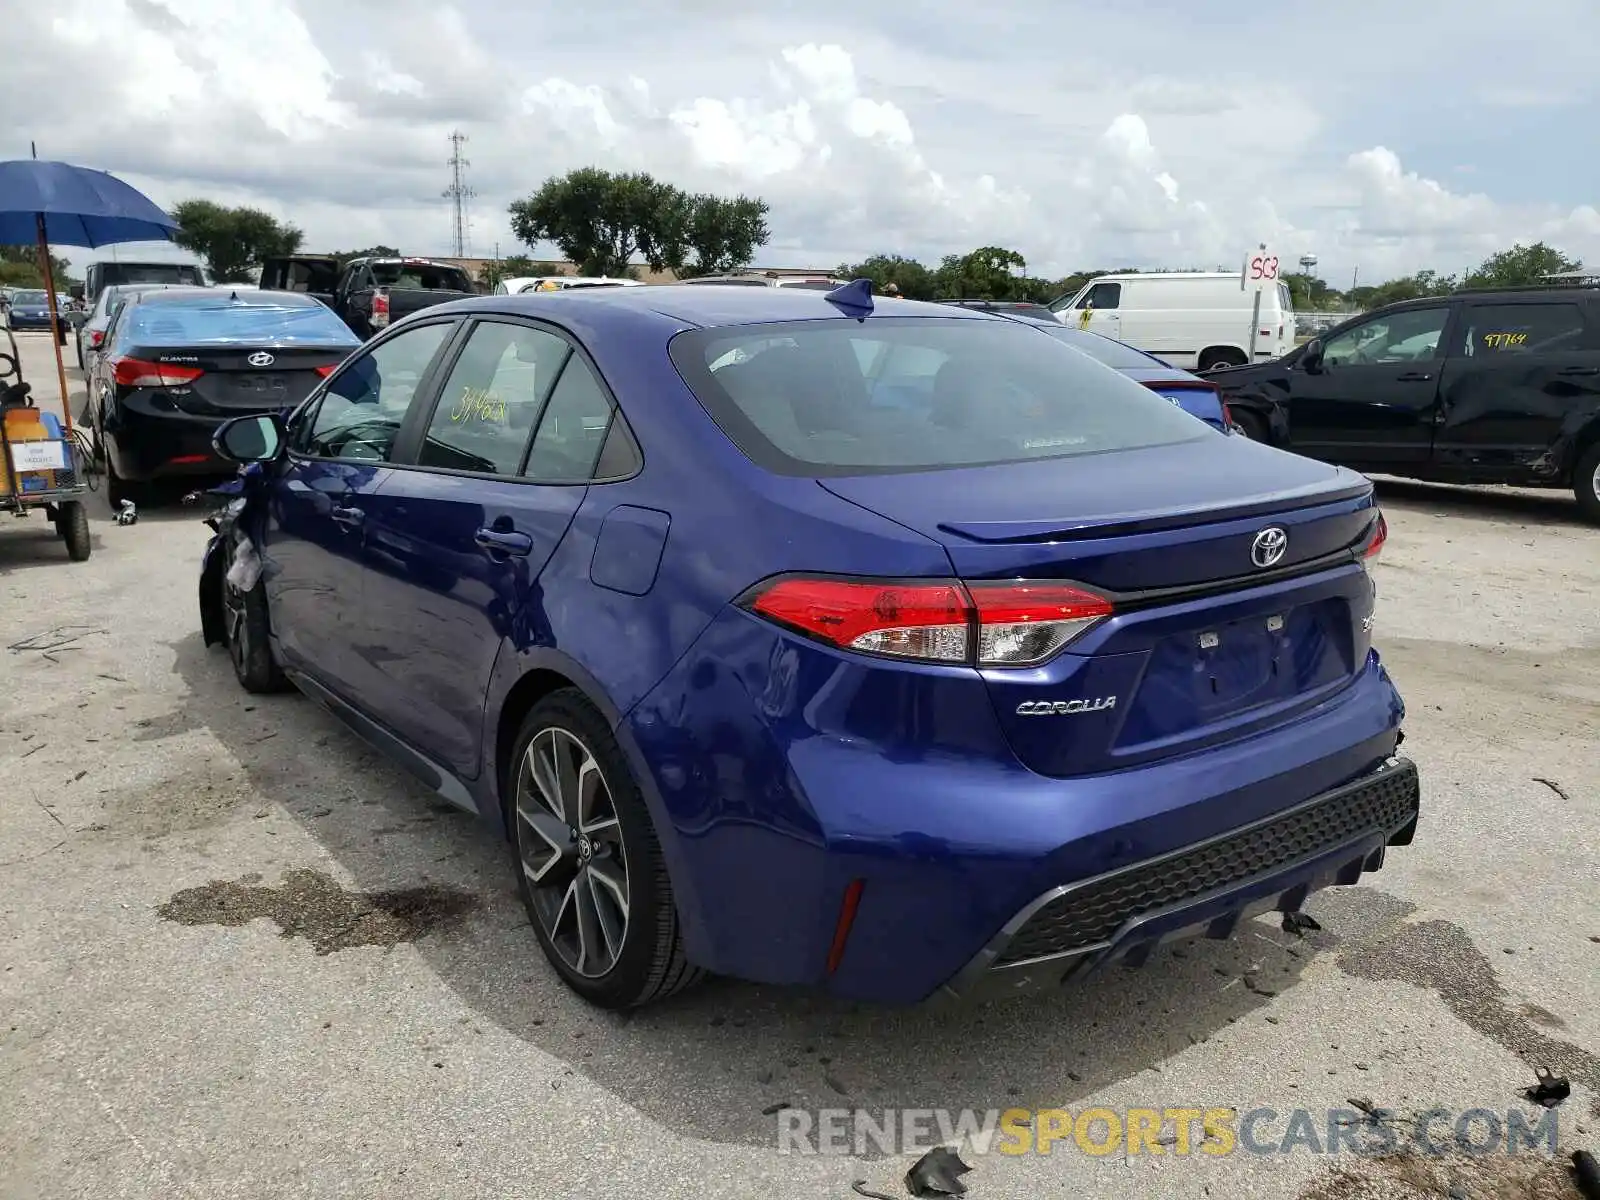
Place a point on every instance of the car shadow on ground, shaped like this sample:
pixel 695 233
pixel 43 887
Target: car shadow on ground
pixel 1553 507
pixel 714 1062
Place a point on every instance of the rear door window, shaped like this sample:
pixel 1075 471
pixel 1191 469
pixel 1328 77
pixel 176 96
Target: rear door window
pixel 490 401
pixel 838 397
pixel 572 429
pixel 1493 331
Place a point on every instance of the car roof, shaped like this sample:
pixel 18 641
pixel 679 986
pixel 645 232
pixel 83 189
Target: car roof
pixel 701 305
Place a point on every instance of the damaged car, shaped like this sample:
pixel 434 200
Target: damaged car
pixel 1497 387
pixel 893 650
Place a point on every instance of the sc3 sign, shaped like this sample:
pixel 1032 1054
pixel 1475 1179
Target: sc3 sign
pixel 1263 268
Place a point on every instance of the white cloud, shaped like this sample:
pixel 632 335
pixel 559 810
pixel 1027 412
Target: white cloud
pixel 863 131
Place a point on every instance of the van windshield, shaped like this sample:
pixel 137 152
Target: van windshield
pixel 840 397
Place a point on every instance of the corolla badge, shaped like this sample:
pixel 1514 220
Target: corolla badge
pixel 1268 547
pixel 1064 708
pixel 261 359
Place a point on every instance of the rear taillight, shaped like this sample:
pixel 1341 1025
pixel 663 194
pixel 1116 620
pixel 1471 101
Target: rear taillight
pixel 1009 623
pixel 1374 547
pixel 134 372
pixel 380 308
pixel 96 337
pixel 326 371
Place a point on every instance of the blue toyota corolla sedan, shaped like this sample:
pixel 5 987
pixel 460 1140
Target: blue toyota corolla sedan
pixel 803 638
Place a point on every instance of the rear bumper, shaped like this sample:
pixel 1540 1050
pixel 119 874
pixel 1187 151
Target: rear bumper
pixel 781 773
pixel 148 446
pixel 1204 890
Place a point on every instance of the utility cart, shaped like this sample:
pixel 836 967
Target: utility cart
pixel 38 466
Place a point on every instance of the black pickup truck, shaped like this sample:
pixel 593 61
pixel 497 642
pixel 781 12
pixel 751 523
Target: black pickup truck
pixel 1474 387
pixel 369 293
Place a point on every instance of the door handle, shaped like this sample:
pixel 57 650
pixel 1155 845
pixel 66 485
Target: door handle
pixel 350 518
pixel 503 541
pixel 1579 371
pixel 1415 377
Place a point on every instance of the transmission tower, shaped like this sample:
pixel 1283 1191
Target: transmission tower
pixel 458 193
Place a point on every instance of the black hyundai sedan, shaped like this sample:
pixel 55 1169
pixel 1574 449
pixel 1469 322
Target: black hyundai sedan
pixel 176 363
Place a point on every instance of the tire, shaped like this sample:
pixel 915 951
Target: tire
pixel 1586 484
pixel 246 631
pixel 72 523
pixel 119 489
pixel 1251 425
pixel 1210 360
pixel 82 369
pixel 612 872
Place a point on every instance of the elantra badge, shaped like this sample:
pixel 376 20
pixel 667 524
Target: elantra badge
pixel 1064 708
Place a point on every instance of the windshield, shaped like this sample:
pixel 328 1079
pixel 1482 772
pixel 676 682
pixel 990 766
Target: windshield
pixel 28 298
pixel 168 324
pixel 420 276
pixel 112 273
pixel 838 397
pixel 1103 349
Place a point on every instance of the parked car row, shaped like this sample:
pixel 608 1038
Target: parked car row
pixel 900 649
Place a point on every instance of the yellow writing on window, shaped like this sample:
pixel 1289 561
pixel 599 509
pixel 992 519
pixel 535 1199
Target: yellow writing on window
pixel 1504 341
pixel 478 404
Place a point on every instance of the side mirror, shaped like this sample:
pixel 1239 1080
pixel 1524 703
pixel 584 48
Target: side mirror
pixel 1311 356
pixel 249 439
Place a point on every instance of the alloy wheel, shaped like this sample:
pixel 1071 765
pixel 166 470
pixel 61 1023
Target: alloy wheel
pixel 570 846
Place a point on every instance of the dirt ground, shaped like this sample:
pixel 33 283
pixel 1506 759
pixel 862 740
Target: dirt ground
pixel 241 956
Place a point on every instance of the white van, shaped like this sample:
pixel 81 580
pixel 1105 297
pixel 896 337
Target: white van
pixel 1194 320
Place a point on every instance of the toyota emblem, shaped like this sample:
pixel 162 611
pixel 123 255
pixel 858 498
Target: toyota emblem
pixel 260 359
pixel 1268 547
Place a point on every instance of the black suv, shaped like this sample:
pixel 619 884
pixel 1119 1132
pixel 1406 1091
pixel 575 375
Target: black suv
pixel 1474 387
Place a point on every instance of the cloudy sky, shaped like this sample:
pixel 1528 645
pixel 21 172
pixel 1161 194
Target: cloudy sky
pixel 1379 135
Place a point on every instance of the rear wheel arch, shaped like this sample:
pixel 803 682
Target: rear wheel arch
pixel 541 680
pixel 1220 356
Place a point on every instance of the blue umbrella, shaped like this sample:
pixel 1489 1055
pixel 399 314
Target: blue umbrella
pixel 80 207
pixel 44 202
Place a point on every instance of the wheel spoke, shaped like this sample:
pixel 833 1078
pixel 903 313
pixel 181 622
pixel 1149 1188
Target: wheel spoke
pixel 557 845
pixel 566 763
pixel 613 881
pixel 611 928
pixel 591 942
pixel 590 788
pixel 541 768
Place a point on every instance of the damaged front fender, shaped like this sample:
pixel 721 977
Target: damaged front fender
pixel 238 494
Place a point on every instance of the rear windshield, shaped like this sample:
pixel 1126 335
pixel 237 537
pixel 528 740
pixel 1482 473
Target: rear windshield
pixel 811 285
pixel 841 397
pixel 420 276
pixel 1103 349
pixel 166 324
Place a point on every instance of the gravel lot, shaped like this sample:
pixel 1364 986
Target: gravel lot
pixel 244 957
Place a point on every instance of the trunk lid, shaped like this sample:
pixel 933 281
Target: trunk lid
pixel 230 383
pixel 1207 644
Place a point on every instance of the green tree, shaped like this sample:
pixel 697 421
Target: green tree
pixel 597 219
pixel 233 241
pixel 987 273
pixel 1407 287
pixel 1520 266
pixel 722 233
pixel 19 268
pixel 913 279
pixel 345 256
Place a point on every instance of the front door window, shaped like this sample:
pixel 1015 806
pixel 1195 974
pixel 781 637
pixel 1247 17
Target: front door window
pixel 1410 335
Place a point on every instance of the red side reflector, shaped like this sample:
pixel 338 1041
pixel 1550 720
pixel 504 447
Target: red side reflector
pixel 189 458
pixel 847 918
pixel 326 371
